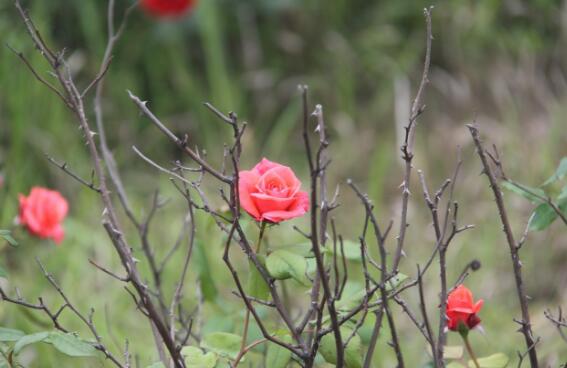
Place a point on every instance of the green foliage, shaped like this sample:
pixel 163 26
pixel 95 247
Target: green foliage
pixel 352 352
pixel 350 58
pixel 559 174
pixel 208 287
pixel 6 235
pixel 277 356
pixel 351 249
pixel 283 265
pixel 542 217
pixel 498 360
pixel 196 358
pixel 544 214
pixel 67 343
pixel 534 195
pixel 8 334
pixel 71 345
pixel 30 339
pixel 224 344
pixel 257 286
pixel 156 365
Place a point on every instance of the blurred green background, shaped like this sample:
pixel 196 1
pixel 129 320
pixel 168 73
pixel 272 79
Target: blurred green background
pixel 501 63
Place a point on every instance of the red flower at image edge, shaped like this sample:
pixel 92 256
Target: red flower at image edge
pixel 461 308
pixel 271 192
pixel 42 213
pixel 167 8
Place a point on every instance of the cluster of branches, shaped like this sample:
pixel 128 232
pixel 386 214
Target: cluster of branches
pixel 172 324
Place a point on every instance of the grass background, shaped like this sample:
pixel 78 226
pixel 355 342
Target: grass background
pixel 501 63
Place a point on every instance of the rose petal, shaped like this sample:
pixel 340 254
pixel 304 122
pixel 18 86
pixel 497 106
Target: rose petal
pixel 478 305
pixel 266 203
pixel 57 234
pixel 298 208
pixel 246 186
pixel 264 166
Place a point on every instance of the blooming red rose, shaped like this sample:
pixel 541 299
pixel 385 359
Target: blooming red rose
pixel 461 308
pixel 271 192
pixel 167 8
pixel 42 213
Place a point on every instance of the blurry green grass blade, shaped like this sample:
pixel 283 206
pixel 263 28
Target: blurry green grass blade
pixel 208 287
pixel 211 30
pixel 3 273
pixel 279 137
pixel 93 29
pixel 378 169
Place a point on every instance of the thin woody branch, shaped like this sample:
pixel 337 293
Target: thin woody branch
pixel 525 324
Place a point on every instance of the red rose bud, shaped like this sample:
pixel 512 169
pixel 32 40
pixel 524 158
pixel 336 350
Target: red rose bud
pixel 42 213
pixel 271 192
pixel 461 310
pixel 167 8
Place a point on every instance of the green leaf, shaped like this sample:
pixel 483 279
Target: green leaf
pixel 257 286
pixel 8 334
pixel 534 195
pixel 450 352
pixel 396 281
pixel 7 235
pixel 30 339
pixel 560 172
pixel 277 356
pixel 562 198
pixel 453 352
pixel 498 360
pixel 351 250
pixel 3 272
pixel 71 345
pixel 303 249
pixel 351 297
pixel 353 351
pixel 195 358
pixel 283 265
pixel 223 343
pixel 542 217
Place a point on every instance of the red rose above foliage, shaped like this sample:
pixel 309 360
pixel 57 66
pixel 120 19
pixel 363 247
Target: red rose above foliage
pixel 42 213
pixel 167 8
pixel 462 309
pixel 271 192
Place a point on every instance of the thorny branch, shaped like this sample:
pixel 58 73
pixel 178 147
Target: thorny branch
pixel 525 324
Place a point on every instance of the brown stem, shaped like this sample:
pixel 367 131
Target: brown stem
pixel 514 248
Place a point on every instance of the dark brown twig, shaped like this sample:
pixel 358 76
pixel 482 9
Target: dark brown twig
pixel 525 324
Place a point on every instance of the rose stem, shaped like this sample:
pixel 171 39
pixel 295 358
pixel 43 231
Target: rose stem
pixel 470 351
pixel 247 317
